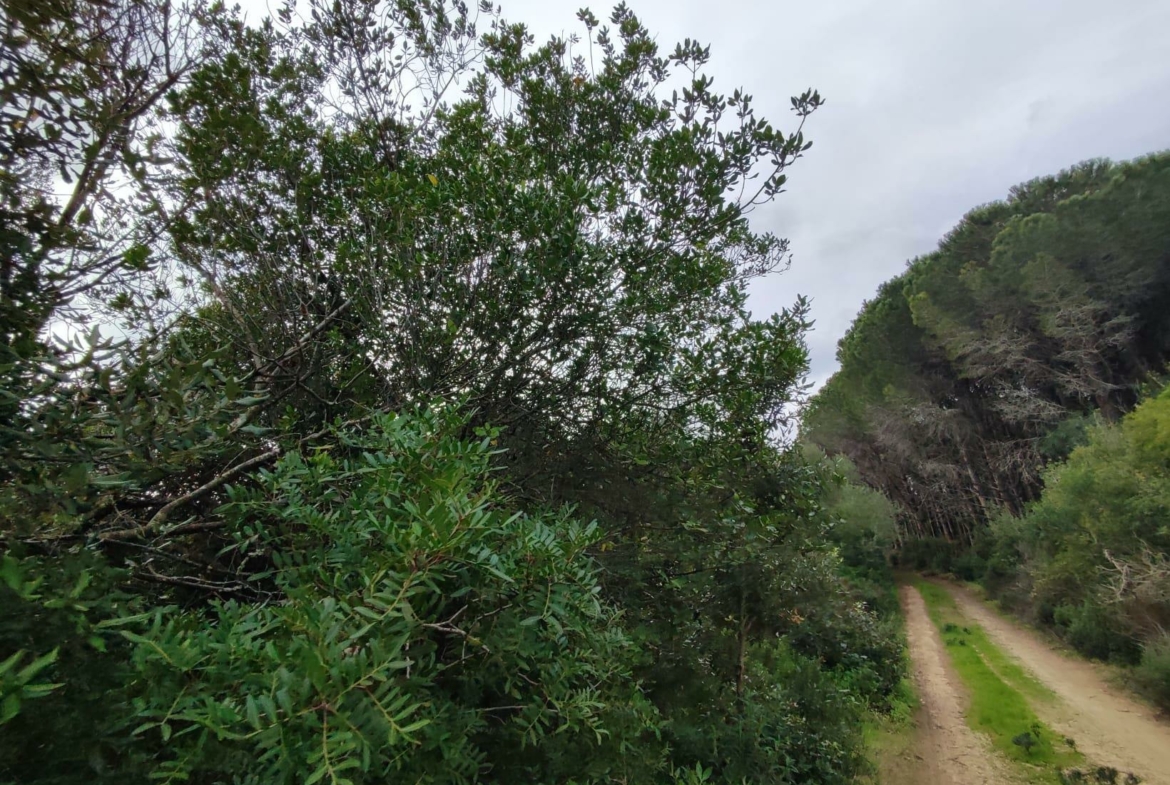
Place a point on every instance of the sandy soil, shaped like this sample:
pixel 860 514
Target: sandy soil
pixel 948 751
pixel 1109 727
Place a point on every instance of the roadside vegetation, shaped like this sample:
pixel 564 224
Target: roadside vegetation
pixel 1088 559
pixel 890 738
pixel 379 402
pixel 865 536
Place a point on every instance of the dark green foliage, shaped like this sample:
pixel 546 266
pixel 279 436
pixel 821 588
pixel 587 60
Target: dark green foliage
pixel 989 357
pixel 799 724
pixel 426 630
pixel 59 606
pixel 928 555
pixel 968 566
pixel 1096 632
pixel 438 443
pixel 1152 675
pixel 1065 437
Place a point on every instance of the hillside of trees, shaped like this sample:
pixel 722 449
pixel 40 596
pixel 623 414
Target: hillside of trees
pixel 988 358
pixel 380 404
pixel 1007 393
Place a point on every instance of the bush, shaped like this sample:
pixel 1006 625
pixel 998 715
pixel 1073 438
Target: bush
pixel 969 566
pixel 932 554
pixel 1152 675
pixel 409 626
pixel 1094 632
pixel 1101 516
pixel 1003 576
pixel 798 723
pixel 426 632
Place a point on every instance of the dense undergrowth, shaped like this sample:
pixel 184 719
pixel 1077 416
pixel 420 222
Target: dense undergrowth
pixel 380 403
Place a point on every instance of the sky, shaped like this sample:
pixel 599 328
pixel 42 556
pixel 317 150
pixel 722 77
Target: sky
pixel 933 107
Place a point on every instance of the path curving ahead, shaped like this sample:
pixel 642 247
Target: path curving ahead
pixel 949 752
pixel 1109 727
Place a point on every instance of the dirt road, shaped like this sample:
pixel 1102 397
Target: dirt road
pixel 1110 728
pixel 949 752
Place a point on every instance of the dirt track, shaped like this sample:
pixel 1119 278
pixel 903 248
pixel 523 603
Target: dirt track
pixel 1110 728
pixel 949 752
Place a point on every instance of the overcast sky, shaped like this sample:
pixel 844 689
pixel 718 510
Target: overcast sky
pixel 933 107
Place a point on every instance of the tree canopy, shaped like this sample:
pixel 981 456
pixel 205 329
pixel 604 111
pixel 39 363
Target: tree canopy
pixel 982 361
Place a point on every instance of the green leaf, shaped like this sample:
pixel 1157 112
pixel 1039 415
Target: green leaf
pixel 122 621
pixel 252 712
pixel 9 708
pixel 10 663
pixel 38 690
pixel 36 666
pixel 11 574
pixel 412 727
pixel 251 400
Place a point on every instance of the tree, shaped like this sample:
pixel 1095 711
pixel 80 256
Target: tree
pixel 437 441
pixel 1032 313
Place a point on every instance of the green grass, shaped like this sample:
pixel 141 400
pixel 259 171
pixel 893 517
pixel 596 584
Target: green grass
pixel 890 739
pixel 1005 667
pixel 997 687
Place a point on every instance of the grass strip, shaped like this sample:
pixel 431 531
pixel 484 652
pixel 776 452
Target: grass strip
pixel 890 738
pixel 997 686
pixel 1007 667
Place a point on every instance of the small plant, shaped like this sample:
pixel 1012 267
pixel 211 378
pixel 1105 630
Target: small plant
pixel 949 628
pixel 1071 743
pixel 1070 776
pixel 1025 740
pixel 1132 779
pixel 1106 775
pixel 1153 674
